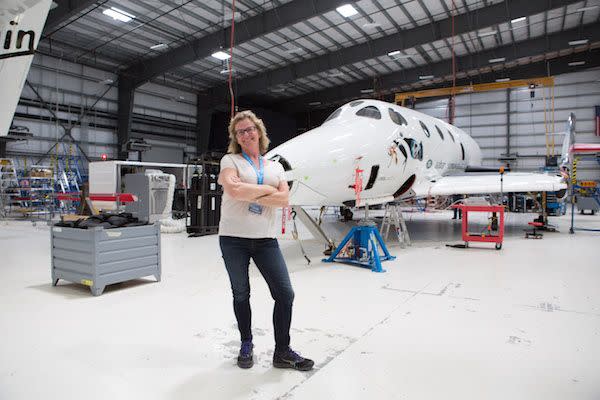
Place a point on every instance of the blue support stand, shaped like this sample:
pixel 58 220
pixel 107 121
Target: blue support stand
pixel 364 250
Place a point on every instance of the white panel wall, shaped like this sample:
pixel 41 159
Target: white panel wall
pixel 484 116
pixel 160 113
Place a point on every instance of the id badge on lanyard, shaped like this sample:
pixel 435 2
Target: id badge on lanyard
pixel 260 174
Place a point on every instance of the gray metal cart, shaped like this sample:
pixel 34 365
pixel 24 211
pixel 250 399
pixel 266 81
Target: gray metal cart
pixel 98 257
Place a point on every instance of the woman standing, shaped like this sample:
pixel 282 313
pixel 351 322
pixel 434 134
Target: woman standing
pixel 254 188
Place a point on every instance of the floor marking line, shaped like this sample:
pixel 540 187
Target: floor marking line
pixel 287 394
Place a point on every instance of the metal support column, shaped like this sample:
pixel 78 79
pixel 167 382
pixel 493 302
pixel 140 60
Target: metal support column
pixel 508 122
pixel 204 115
pixel 126 96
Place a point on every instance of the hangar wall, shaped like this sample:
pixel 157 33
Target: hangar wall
pixel 484 116
pixel 164 116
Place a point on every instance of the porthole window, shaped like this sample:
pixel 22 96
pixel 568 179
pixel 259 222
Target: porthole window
pixel 425 129
pixel 396 117
pixel 439 132
pixel 369 112
pixel 334 114
pixel 462 150
pixel 429 163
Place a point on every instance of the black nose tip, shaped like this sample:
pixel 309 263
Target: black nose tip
pixel 285 164
pixel 281 160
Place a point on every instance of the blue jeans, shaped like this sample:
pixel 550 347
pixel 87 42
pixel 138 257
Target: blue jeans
pixel 237 252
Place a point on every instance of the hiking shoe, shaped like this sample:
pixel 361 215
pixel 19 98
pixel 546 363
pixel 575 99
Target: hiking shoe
pixel 290 359
pixel 246 357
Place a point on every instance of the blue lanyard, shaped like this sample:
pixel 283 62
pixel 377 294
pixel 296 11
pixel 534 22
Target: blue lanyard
pixel 260 173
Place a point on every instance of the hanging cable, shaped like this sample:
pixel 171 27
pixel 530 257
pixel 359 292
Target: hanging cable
pixel 553 131
pixel 232 40
pixel 452 96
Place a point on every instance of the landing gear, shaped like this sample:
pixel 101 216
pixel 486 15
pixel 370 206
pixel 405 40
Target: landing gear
pixel 346 213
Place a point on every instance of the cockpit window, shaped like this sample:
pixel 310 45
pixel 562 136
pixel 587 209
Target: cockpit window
pixel 355 103
pixel 439 132
pixel 334 114
pixel 397 117
pixel 369 112
pixel 425 129
pixel 451 136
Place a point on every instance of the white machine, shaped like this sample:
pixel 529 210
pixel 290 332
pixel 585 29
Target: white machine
pixel 154 190
pixel 108 177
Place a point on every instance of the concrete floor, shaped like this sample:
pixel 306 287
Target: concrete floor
pixel 519 323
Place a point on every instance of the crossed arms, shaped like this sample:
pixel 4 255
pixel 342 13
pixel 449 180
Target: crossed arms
pixel 265 195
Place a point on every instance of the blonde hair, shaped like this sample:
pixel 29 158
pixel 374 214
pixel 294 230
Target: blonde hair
pixel 263 140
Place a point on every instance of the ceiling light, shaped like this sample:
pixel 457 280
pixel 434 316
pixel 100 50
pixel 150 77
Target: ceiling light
pixel 424 77
pixel 517 20
pixel 371 25
pixel 576 63
pixel 117 14
pixel 107 81
pixel 578 42
pixel 367 91
pixel 497 60
pixel 582 9
pixel 335 74
pixel 502 79
pixel 295 50
pixel 396 55
pixel 221 55
pixel 181 98
pixel 347 10
pixel 278 90
pixel 488 33
pixel 226 71
pixel 314 103
pixel 160 46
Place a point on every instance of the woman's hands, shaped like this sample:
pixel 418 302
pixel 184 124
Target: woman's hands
pixel 278 199
pixel 233 186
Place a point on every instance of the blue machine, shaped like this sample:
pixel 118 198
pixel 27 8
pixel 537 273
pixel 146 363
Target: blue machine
pixel 363 250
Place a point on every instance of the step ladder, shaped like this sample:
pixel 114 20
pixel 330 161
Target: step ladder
pixel 393 218
pixel 68 176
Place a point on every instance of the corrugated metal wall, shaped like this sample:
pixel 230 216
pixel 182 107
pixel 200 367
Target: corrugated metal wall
pixel 484 116
pixel 166 117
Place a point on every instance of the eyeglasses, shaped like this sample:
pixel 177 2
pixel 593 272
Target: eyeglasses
pixel 249 130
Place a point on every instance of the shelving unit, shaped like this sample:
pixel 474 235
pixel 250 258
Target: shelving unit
pixel 37 191
pixel 9 186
